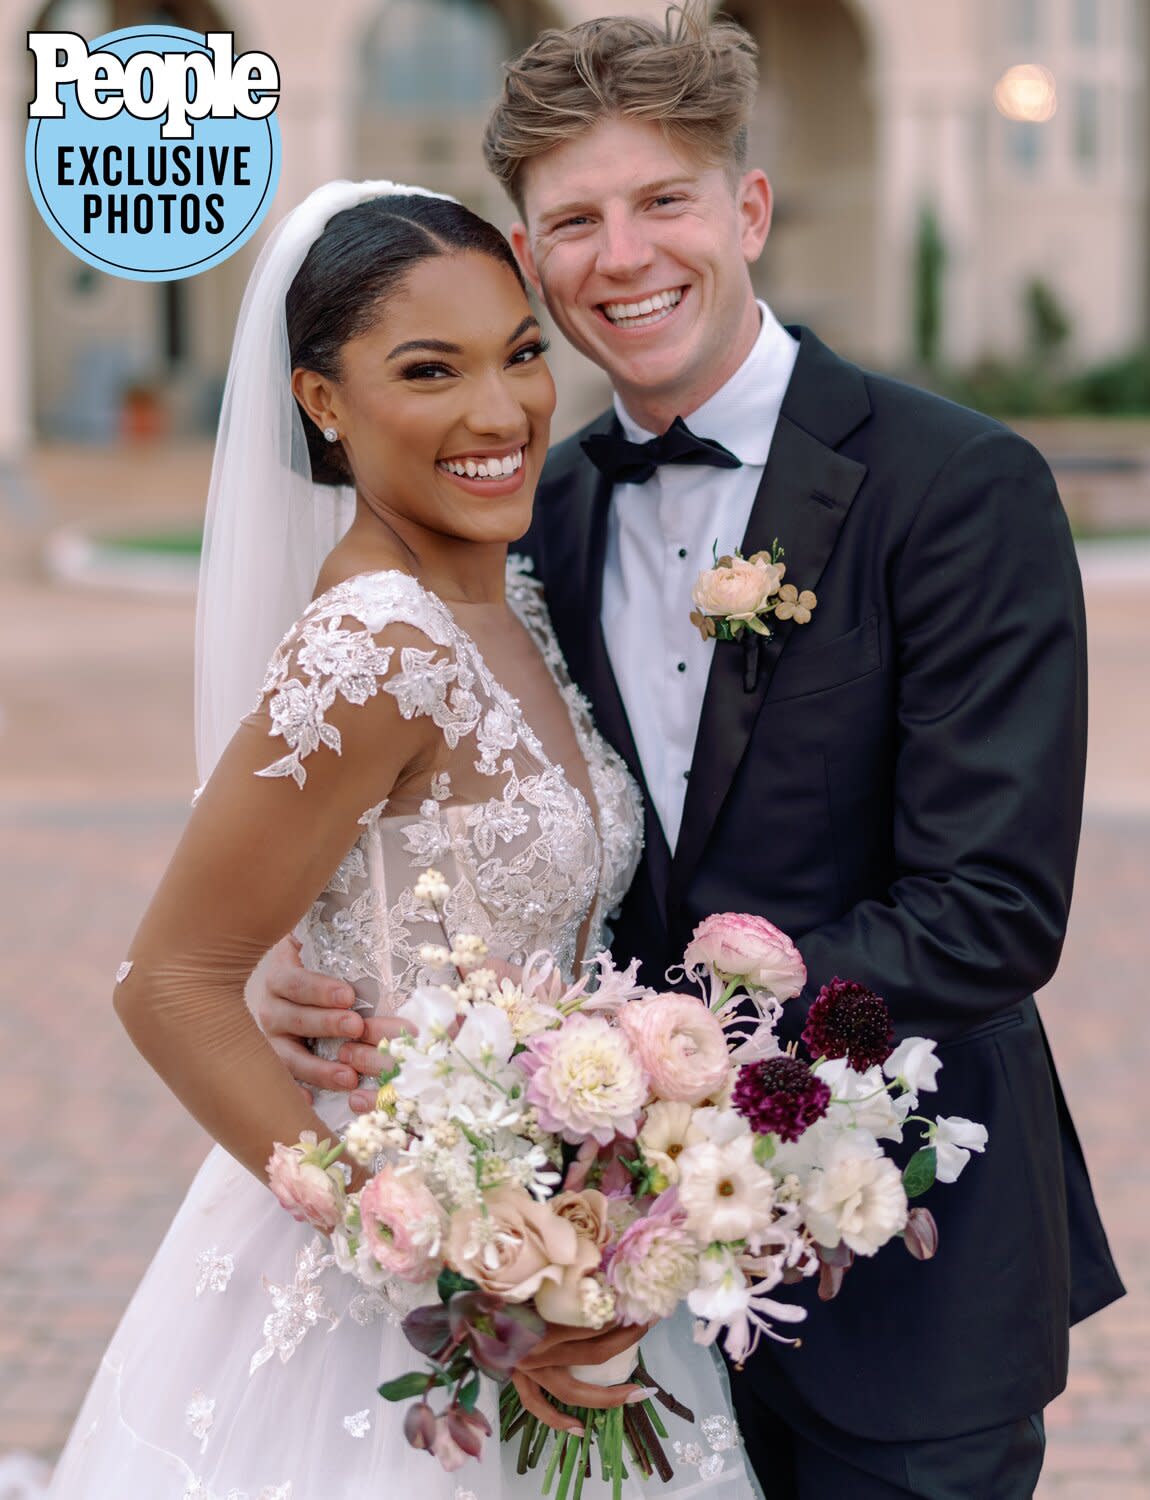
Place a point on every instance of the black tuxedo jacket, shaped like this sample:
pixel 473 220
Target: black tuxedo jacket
pixel 898 785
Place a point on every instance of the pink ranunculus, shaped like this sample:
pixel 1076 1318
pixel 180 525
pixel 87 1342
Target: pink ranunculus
pixel 654 1264
pixel 680 1043
pixel 403 1225
pixel 309 1191
pixel 738 945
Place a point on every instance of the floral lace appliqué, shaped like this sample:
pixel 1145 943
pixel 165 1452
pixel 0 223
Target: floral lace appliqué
pixel 358 1423
pixel 199 1414
pixel 297 1308
pixel 721 1435
pixel 213 1271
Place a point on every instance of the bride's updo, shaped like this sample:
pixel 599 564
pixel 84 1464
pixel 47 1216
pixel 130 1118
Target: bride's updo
pixel 362 256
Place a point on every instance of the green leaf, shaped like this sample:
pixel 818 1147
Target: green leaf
pixel 763 1149
pixel 403 1387
pixel 468 1393
pixel 919 1171
pixel 451 1282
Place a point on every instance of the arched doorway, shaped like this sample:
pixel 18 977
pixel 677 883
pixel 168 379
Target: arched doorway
pixel 111 355
pixel 814 134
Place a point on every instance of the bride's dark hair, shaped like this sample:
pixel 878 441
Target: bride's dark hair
pixel 363 255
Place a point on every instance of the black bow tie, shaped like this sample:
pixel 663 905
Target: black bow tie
pixel 624 462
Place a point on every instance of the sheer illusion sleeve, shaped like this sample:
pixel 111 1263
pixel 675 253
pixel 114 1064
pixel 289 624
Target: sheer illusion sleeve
pixel 264 838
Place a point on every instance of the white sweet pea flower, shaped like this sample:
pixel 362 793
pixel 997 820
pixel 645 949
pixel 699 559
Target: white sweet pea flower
pixel 719 1126
pixel 915 1063
pixel 864 1100
pixel 954 1139
pixel 486 1038
pixel 430 1009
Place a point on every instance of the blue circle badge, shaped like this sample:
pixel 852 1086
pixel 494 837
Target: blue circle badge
pixel 152 152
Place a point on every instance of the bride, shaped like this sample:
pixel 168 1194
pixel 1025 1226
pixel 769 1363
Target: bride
pixel 385 421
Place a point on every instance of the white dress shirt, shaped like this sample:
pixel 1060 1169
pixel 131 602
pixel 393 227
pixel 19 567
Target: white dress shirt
pixel 659 536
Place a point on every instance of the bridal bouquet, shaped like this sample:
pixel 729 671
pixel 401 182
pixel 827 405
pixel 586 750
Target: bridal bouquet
pixel 555 1167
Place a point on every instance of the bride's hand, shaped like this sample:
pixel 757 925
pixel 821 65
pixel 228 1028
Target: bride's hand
pixel 294 1006
pixel 547 1369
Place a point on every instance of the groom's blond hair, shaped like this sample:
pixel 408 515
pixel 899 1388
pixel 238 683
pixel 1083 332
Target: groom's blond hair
pixel 693 76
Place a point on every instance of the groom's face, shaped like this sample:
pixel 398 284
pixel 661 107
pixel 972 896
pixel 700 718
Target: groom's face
pixel 641 252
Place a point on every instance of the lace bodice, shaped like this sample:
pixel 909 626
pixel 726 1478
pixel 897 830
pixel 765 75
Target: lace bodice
pixel 529 863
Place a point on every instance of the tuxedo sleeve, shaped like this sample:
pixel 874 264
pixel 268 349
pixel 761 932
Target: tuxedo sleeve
pixel 989 638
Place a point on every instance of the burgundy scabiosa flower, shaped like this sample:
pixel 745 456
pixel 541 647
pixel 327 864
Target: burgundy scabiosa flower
pixel 780 1096
pixel 848 1020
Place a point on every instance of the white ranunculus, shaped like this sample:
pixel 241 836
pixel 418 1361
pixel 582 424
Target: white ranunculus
pixel 954 1139
pixel 724 1192
pixel 915 1063
pixel 855 1197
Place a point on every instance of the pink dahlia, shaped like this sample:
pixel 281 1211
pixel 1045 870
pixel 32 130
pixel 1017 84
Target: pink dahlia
pixel 586 1080
pixel 780 1096
pixel 848 1020
pixel 654 1264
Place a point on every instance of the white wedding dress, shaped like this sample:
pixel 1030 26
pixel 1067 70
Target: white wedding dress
pixel 246 1365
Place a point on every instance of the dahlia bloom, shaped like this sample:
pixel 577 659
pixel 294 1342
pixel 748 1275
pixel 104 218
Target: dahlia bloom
pixel 654 1265
pixel 586 1079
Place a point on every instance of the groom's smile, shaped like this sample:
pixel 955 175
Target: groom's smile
pixel 640 249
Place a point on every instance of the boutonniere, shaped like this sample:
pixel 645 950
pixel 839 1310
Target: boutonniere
pixel 738 594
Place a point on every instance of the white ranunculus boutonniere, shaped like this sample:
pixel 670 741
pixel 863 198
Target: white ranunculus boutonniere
pixel 738 594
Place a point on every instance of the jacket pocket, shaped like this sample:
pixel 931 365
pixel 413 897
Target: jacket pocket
pixel 845 659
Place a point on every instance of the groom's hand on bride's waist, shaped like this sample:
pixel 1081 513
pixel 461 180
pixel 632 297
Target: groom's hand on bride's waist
pixel 294 1006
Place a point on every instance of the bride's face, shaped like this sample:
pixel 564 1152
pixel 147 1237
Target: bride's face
pixel 444 406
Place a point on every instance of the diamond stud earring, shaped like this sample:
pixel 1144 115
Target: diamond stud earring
pixel 331 434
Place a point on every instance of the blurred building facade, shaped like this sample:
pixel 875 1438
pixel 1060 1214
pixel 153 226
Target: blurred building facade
pixel 923 190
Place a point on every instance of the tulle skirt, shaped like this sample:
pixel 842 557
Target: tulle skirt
pixel 246 1368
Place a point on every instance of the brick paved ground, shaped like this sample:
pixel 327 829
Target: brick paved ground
pixel 95 769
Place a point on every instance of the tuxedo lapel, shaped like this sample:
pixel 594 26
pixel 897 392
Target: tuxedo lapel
pixel 803 499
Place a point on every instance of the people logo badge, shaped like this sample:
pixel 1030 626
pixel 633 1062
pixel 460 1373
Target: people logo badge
pixel 152 152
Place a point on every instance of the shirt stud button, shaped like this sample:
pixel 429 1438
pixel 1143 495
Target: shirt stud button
pixel 682 551
pixel 682 666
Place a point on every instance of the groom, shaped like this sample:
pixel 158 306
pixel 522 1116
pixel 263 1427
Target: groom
pixel 897 783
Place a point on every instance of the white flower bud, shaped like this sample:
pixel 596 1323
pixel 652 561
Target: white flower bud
pixel 432 888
